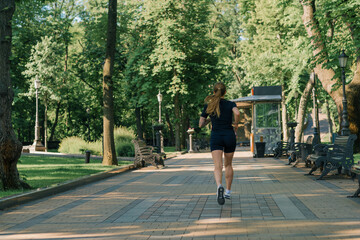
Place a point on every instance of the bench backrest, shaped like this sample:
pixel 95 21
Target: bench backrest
pixel 341 140
pixel 141 149
pixel 348 143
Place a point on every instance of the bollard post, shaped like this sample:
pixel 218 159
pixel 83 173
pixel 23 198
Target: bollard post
pixel 87 156
pixel 190 131
pixel 190 147
pixel 158 144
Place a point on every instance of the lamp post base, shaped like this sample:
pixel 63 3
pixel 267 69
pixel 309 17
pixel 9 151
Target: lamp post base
pixel 345 132
pixel 317 139
pixel 37 146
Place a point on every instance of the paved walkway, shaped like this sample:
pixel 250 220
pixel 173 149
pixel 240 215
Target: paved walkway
pixel 270 201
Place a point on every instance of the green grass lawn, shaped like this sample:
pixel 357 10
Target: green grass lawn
pixel 169 149
pixel 44 171
pixel 53 150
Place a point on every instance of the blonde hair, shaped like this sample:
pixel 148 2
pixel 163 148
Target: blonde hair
pixel 213 100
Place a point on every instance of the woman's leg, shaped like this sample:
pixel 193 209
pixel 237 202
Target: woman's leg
pixel 218 165
pixel 229 172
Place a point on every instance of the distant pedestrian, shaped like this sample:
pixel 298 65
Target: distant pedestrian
pixel 223 136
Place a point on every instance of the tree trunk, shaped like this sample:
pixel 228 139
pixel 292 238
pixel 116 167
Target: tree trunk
pixel 109 157
pixel 55 121
pixel 326 76
pixel 143 119
pixel 10 147
pixel 236 75
pixel 184 127
pixel 302 111
pixel 284 118
pixel 177 122
pixel 353 103
pixel 138 122
pixel 66 60
pixel 171 130
pixel 329 120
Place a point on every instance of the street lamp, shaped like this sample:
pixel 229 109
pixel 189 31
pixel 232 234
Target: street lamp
pixel 88 122
pixel 345 122
pixel 159 97
pixel 37 145
pixel 316 111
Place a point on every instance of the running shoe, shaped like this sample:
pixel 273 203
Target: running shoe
pixel 227 194
pixel 220 195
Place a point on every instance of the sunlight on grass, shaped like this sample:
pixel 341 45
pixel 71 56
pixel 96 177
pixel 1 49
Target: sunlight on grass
pixel 45 171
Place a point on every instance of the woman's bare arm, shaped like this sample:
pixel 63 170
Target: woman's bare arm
pixel 203 121
pixel 236 118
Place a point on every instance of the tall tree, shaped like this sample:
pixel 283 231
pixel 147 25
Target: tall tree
pixel 331 26
pixel 274 48
pixel 44 66
pixel 32 21
pixel 109 157
pixel 226 27
pixel 183 55
pixel 305 96
pixel 10 147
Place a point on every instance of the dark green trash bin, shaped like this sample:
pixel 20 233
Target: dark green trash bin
pixel 260 149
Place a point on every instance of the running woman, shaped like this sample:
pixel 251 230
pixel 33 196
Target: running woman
pixel 223 136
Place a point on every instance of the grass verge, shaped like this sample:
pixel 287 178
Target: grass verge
pixel 169 149
pixel 45 171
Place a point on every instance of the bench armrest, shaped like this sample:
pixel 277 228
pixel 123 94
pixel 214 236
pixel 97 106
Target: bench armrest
pixel 320 147
pixel 299 144
pixel 335 147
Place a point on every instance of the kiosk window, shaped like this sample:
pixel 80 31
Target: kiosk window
pixel 267 115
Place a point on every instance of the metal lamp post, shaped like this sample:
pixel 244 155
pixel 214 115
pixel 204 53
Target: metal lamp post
pixel 88 122
pixel 159 97
pixel 37 145
pixel 345 122
pixel 316 113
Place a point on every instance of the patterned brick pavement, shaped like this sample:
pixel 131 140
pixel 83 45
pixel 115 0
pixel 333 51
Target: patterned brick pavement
pixel 270 201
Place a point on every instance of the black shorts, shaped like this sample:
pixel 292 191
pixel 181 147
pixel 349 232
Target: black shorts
pixel 223 141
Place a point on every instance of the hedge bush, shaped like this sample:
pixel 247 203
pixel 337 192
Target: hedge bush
pixel 123 144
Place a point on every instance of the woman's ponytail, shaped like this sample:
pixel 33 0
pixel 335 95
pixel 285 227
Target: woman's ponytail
pixel 213 101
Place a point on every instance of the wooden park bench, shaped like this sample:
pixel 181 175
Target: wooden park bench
pixel 334 156
pixel 144 155
pixel 200 144
pixel 355 172
pixel 301 151
pixel 281 149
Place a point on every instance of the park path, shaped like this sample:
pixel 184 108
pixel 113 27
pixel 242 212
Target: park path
pixel 270 201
